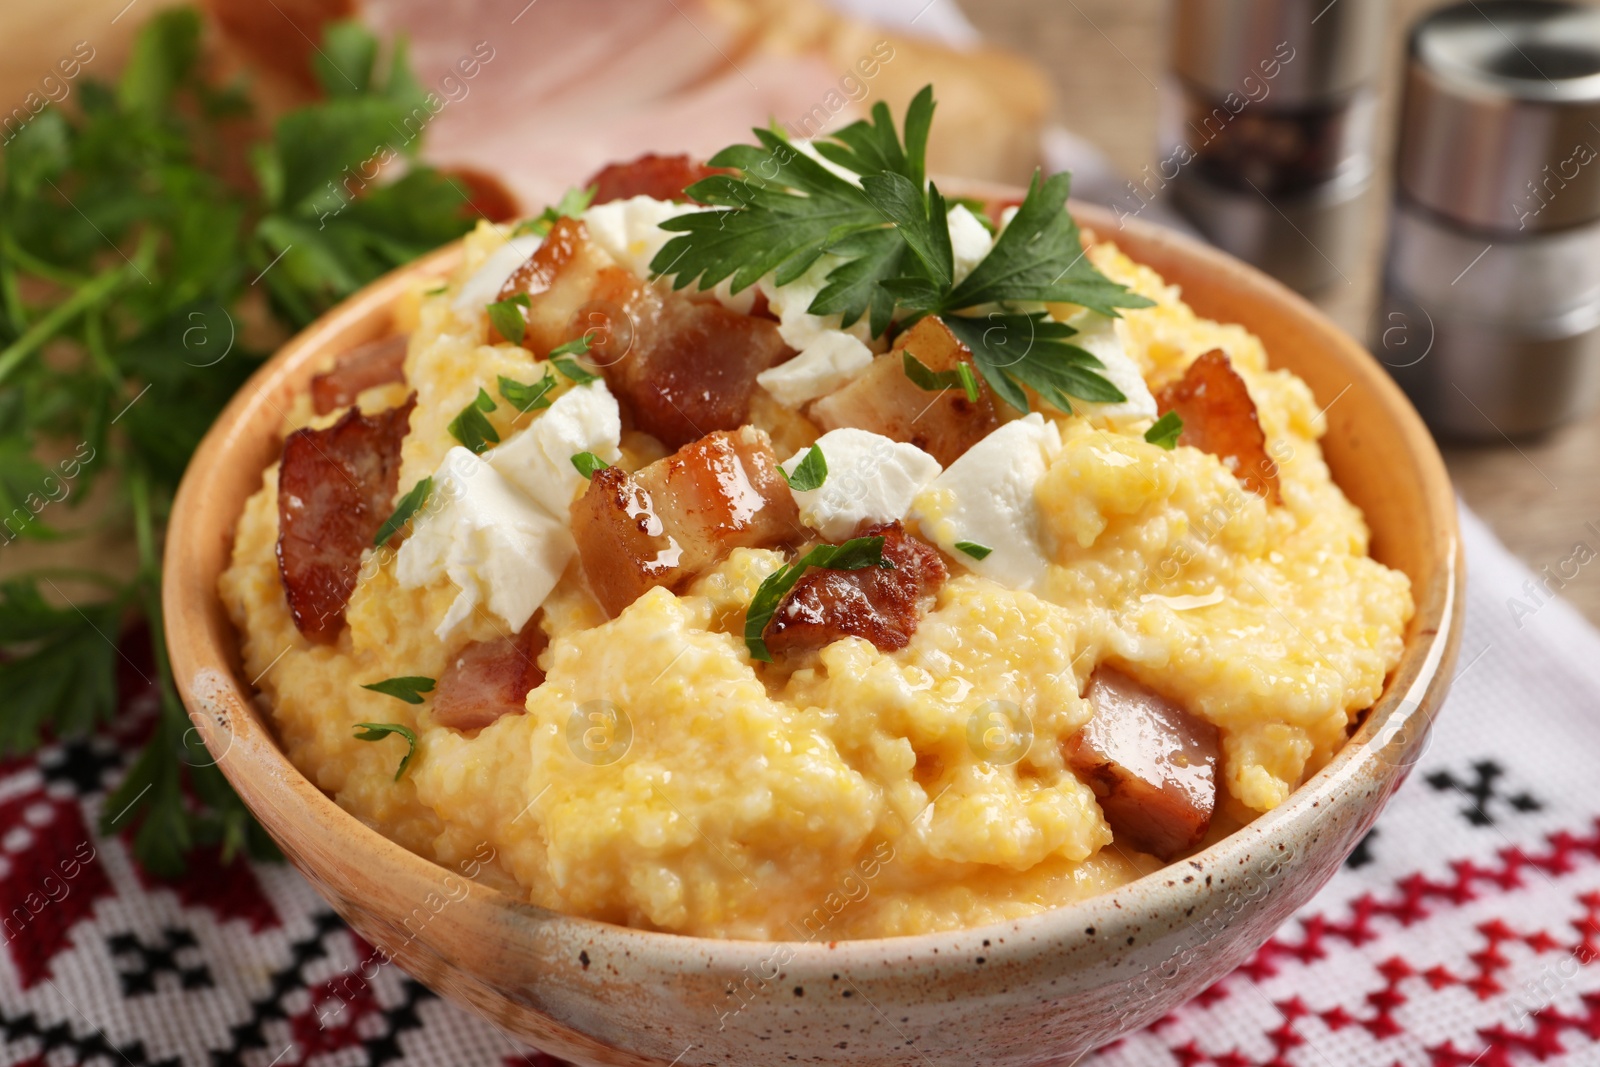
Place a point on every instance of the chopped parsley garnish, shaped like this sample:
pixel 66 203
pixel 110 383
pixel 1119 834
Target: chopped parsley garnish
pixel 937 381
pixel 472 429
pixel 809 473
pixel 561 358
pixel 409 505
pixel 973 549
pixel 408 688
pixel 855 554
pixel 1166 431
pixel 889 239
pixel 377 731
pixel 527 397
pixel 573 203
pixel 506 317
pixel 587 463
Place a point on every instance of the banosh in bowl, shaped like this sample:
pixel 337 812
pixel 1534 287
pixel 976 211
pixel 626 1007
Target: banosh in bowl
pixel 1038 990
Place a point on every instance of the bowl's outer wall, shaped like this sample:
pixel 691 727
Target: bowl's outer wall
pixel 1035 991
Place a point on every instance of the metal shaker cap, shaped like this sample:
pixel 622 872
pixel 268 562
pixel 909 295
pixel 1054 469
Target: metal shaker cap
pixel 1501 125
pixel 1311 51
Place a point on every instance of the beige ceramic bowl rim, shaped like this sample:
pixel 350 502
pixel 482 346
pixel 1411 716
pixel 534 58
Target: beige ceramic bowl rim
pixel 1394 731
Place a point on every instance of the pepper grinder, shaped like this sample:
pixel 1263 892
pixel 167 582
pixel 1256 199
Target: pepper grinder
pixel 1267 130
pixel 1490 316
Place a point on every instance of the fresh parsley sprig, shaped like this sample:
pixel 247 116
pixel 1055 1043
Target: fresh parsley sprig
pixel 886 239
pixel 855 554
pixel 377 731
pixel 809 473
pixel 143 278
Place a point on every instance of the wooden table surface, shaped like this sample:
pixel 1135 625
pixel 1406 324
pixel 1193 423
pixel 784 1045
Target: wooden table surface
pixel 1107 58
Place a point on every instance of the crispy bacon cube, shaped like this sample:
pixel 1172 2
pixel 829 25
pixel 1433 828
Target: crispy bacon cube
pixel 882 399
pixel 665 524
pixel 661 177
pixel 1219 417
pixel 335 488
pixel 1152 765
pixel 488 679
pixel 363 367
pixel 681 367
pixel 877 604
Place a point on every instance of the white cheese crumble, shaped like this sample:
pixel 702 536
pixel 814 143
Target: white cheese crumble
pixel 480 290
pixel 969 241
pixel 870 478
pixel 1097 335
pixel 630 232
pixel 825 365
pixel 502 551
pixel 538 460
pixel 987 498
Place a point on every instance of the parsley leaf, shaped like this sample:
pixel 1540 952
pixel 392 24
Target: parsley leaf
pixel 885 246
pixel 587 463
pixel 925 377
pixel 855 554
pixel 377 731
pixel 973 549
pixel 409 505
pixel 809 473
pixel 408 688
pixel 526 398
pixel 472 429
pixel 506 317
pixel 61 667
pixel 573 203
pixel 560 358
pixel 1166 431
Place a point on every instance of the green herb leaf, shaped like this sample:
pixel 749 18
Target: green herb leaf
pixel 973 549
pixel 506 317
pixel 587 463
pixel 925 377
pixel 472 429
pixel 887 243
pixel 573 203
pixel 1166 431
pixel 377 731
pixel 570 368
pixel 855 554
pixel 526 398
pixel 1013 351
pixel 809 473
pixel 60 664
pixel 408 688
pixel 409 505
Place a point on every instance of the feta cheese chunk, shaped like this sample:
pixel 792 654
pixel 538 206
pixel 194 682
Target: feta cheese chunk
pixel 502 551
pixel 987 498
pixel 969 241
pixel 480 290
pixel 870 478
pixel 826 364
pixel 538 460
pixel 1097 335
pixel 630 232
pixel 797 326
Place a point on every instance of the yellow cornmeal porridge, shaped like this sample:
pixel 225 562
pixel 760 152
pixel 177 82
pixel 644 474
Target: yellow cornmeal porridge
pixel 846 799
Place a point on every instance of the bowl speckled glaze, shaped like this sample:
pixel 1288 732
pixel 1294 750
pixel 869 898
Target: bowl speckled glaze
pixel 1040 990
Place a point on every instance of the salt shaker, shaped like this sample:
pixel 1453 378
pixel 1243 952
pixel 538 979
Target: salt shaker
pixel 1490 315
pixel 1267 130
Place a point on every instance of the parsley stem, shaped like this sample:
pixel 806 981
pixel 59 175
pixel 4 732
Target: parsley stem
pixel 43 331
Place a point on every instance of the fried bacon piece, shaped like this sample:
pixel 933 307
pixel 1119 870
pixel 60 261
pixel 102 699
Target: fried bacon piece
pixel 665 524
pixel 335 488
pixel 1220 418
pixel 681 368
pixel 882 399
pixel 488 679
pixel 661 177
pixel 879 605
pixel 1152 765
pixel 363 367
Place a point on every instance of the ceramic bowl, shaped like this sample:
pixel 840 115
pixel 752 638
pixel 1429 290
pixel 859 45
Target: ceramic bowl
pixel 1039 990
